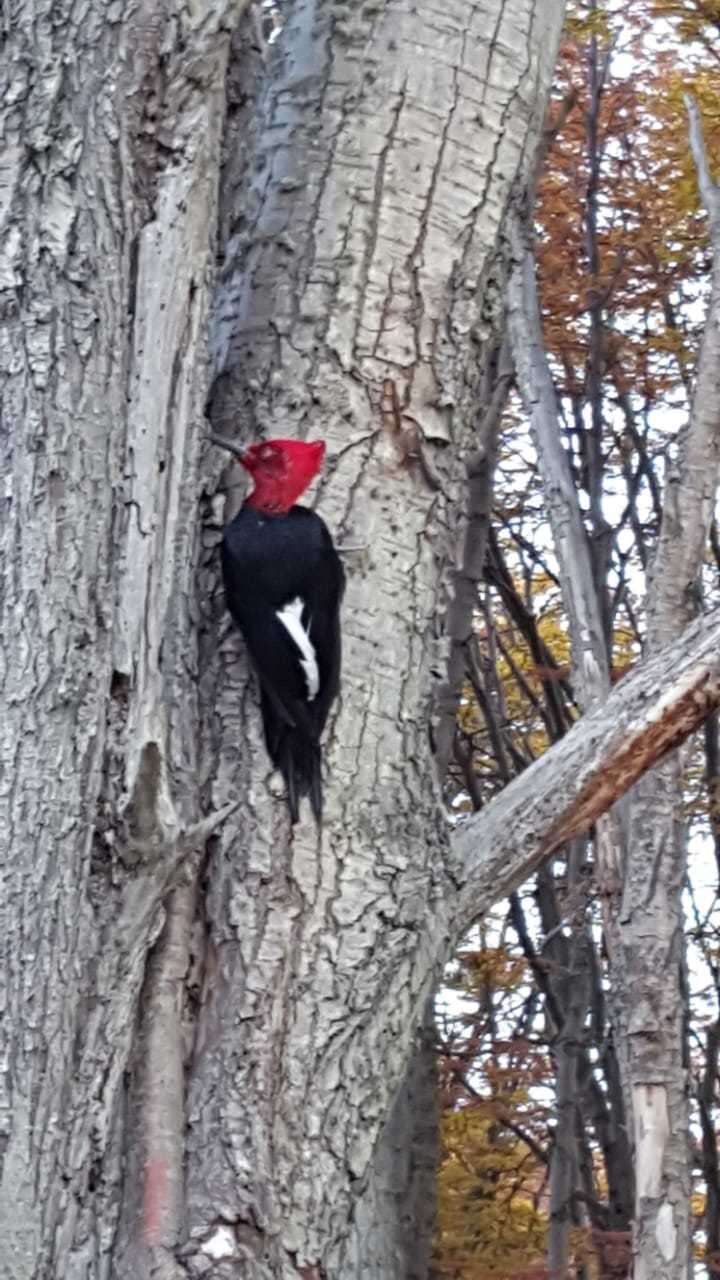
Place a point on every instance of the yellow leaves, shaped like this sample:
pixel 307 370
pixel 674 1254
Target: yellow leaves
pixel 492 1214
pixel 491 967
pixel 583 23
pixel 489 1224
pixel 691 17
pixel 667 146
pixel 626 650
pixel 517 669
pixel 469 719
pixel 698 1204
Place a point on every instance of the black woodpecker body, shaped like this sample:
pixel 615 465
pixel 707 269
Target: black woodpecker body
pixel 283 583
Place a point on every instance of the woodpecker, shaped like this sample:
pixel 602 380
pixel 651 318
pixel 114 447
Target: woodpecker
pixel 283 585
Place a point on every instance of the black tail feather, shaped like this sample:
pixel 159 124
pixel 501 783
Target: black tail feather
pixel 296 753
pixel 286 766
pixel 316 787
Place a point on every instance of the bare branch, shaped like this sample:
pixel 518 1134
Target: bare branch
pixel 651 712
pixel 692 479
pixel 553 127
pixel 709 190
pixel 535 382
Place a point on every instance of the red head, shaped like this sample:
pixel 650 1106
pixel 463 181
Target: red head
pixel 282 470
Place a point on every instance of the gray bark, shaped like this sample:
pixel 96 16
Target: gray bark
pixel 360 282
pixel 394 1218
pixel 358 290
pixel 111 118
pixel 568 977
pixel 650 713
pixel 651 920
pixel 591 678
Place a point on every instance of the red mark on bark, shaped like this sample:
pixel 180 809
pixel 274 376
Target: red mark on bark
pixel 155 1194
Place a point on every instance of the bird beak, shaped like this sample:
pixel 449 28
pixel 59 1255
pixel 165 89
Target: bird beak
pixel 224 443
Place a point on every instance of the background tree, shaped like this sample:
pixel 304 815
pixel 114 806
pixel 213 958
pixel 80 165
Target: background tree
pixel 621 254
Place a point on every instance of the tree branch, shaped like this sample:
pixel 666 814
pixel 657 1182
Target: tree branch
pixel 709 190
pixel 590 663
pixel 691 482
pixel 651 712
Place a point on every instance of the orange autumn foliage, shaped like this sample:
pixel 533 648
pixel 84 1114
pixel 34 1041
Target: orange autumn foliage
pixel 651 232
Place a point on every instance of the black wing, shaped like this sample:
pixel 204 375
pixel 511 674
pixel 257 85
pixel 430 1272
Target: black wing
pixel 284 582
pixel 323 596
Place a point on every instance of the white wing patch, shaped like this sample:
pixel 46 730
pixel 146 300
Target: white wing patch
pixel 291 618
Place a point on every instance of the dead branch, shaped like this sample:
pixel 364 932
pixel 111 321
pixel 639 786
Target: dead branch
pixel 648 714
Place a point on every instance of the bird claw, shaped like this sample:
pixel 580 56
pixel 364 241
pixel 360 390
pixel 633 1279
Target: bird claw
pixel 276 784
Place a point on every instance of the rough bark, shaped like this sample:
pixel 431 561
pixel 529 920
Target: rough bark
pixel 395 1217
pixel 361 279
pixel 651 919
pixel 111 121
pixel 650 713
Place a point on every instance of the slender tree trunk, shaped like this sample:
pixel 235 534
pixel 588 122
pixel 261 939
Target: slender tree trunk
pixel 568 960
pixel 651 921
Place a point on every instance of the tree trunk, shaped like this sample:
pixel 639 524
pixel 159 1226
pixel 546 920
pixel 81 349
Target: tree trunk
pixel 644 931
pixel 112 120
pixel 361 280
pixel 395 1217
pixel 652 958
